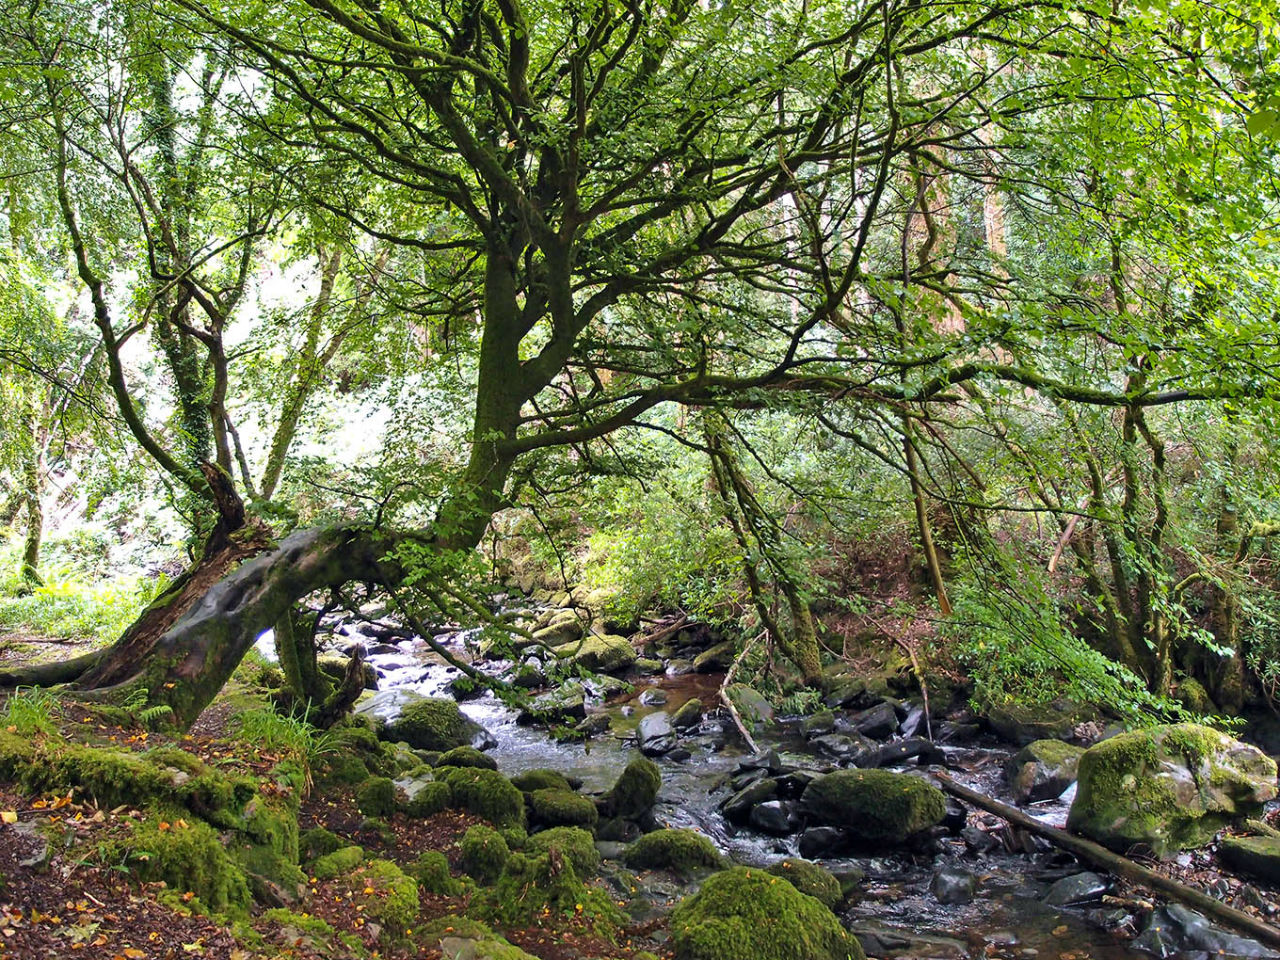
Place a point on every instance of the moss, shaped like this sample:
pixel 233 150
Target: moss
pixel 487 944
pixel 532 780
pixel 376 797
pixel 875 805
pixel 680 851
pixel 387 894
pixel 188 856
pixel 338 863
pixel 302 924
pixel 562 808
pixel 605 654
pixel 750 913
pixel 636 790
pixel 571 843
pixel 811 878
pixel 429 799
pixel 486 793
pixel 432 724
pixel 467 756
pixel 531 887
pixel 1129 791
pixel 16 754
pixel 516 837
pixel 484 853
pixel 317 842
pixel 431 871
pixel 343 769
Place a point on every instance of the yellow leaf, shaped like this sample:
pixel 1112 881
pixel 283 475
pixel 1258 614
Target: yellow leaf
pixel 8 816
pixel 133 953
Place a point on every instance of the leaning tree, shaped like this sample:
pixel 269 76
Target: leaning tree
pixel 622 206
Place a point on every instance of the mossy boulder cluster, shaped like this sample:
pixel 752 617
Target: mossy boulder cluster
pixel 1169 787
pixel 683 852
pixel 745 912
pixel 430 723
pixel 601 654
pixel 874 806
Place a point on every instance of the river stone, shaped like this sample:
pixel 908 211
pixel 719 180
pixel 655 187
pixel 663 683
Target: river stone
pixel 750 703
pixel 428 723
pixel 1024 724
pixel 952 886
pixel 567 703
pixel 717 659
pixel 653 697
pixel 655 735
pixel 563 628
pixel 1175 930
pixel 646 667
pixel 878 722
pixel 737 809
pixel 818 843
pixel 1072 891
pixel 600 654
pixel 1042 770
pixel 689 714
pixel 1170 787
pixel 899 752
pixel 774 816
pixel 1256 856
pixel 678 668
pixel 838 746
pixel 819 724
pixel 875 806
pixel 635 791
pixel 593 725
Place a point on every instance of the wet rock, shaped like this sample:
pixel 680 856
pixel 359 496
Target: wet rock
pixel 680 754
pixel 427 723
pixel 635 791
pixel 1173 930
pixel 715 659
pixel 1170 787
pixel 838 746
pixel 978 840
pixel 653 697
pixel 793 784
pixel 647 667
pixel 899 752
pixel 879 940
pixel 953 886
pixel 819 724
pixel 1072 891
pixel 607 653
pixel 689 714
pixel 567 703
pixel 952 731
pixel 878 722
pixel 593 725
pixel 913 722
pixel 875 805
pixel 1042 770
pixel 751 704
pixel 818 843
pixel 655 735
pixel 956 816
pixel 1023 724
pixel 737 808
pixel 678 668
pixel 1256 856
pixel 777 817
pixel 769 760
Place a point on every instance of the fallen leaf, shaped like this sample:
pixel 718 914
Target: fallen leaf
pixel 8 816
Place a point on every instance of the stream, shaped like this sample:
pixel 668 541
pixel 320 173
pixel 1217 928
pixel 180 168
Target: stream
pixel 907 905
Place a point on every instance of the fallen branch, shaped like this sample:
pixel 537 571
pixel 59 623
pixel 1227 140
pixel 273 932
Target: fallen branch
pixel 1121 866
pixel 728 703
pixel 662 634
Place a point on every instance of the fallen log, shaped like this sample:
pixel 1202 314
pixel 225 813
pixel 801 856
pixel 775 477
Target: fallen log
pixel 1115 863
pixel 728 701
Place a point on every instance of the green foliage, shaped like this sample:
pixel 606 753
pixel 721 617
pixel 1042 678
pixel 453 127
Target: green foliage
pixel 572 843
pixel 30 711
pixel 290 736
pixel 484 853
pixel 69 607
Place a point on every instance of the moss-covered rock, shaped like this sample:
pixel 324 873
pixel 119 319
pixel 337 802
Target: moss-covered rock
pixel 435 724
pixel 486 793
pixel 562 808
pixel 602 654
pixel 681 851
pixel 531 886
pixel 745 912
pixel 376 797
pixel 752 705
pixel 337 864
pixel 343 769
pixel 317 842
pixel 464 937
pixel 190 858
pixel 1042 770
pixel 1255 856
pixel 386 894
pixel 532 780
pixel 572 843
pixel 811 878
pixel 428 799
pixel 1170 787
pixel 431 871
pixel 467 756
pixel 1026 723
pixel 635 791
pixel 484 853
pixel 689 714
pixel 874 806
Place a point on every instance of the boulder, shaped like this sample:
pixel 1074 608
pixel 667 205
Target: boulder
pixel 655 735
pixel 569 702
pixel 1042 770
pixel 878 722
pixel 1169 787
pixel 689 714
pixel 750 703
pixel 1087 887
pixel 776 817
pixel 1256 856
pixel 747 912
pixel 716 659
pixel 811 878
pixel 737 808
pixel 953 886
pixel 635 792
pixel 1175 930
pixel 874 806
pixel 601 654
pixel 680 851
pixel 429 723
pixel 1023 724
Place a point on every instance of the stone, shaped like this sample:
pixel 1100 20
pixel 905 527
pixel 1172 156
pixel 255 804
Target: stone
pixel 601 654
pixel 838 746
pixel 679 668
pixel 567 703
pixel 1087 887
pixel 775 817
pixel 1169 787
pixel 655 735
pixel 875 806
pixel 595 724
pixel 952 886
pixel 751 704
pixel 646 667
pixel 1175 930
pixel 715 659
pixel 1042 770
pixel 819 724
pixel 653 697
pixel 429 723
pixel 1023 724
pixel 689 714
pixel 1256 856
pixel 817 843
pixel 737 808
pixel 811 878
pixel 635 791
pixel 899 752
pixel 878 722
